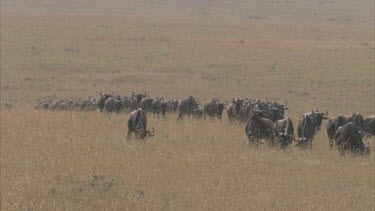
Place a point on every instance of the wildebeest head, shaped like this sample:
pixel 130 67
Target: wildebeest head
pixel 144 134
pixel 220 107
pixel 193 102
pixel 318 118
pixel 237 104
pixel 139 96
pixel 103 98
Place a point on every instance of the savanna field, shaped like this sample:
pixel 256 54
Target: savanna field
pixel 313 54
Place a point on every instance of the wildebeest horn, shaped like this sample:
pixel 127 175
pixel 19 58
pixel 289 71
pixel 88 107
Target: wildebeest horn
pixel 326 113
pixel 286 103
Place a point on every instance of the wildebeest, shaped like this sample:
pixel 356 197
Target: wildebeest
pixel 135 99
pixel 268 109
pixel 348 137
pixel 357 119
pixel 137 123
pixel 276 111
pixel 87 104
pixel 114 104
pixel 369 126
pixel 43 104
pixel 259 128
pixel 187 106
pixel 234 108
pixel 172 105
pixel 159 106
pixel 60 105
pixel 103 98
pixel 317 117
pixel 306 130
pixel 245 111
pixel 145 103
pixel 198 114
pixel 214 108
pixel 333 125
pixel 283 131
pixel 6 105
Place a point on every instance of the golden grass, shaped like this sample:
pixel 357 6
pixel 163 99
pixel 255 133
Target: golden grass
pixel 72 160
pixel 314 54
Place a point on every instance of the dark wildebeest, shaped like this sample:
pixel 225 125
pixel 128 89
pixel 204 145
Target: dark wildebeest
pixel 114 104
pixel 283 131
pixel 259 128
pixel 333 125
pixel 43 104
pixel 59 105
pixel 135 99
pixel 84 104
pixel 110 104
pixel 187 106
pixel 234 108
pixel 317 117
pixel 369 127
pixel 159 106
pixel 276 111
pixel 172 105
pixel 198 114
pixel 306 130
pixel 214 108
pixel 245 111
pixel 145 104
pixel 137 123
pixel 357 119
pixel 103 98
pixel 348 137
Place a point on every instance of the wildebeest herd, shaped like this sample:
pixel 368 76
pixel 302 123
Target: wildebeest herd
pixel 265 120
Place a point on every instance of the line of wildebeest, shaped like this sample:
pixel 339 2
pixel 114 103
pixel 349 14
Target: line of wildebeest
pixel 265 119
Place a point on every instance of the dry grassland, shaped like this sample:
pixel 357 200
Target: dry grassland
pixel 72 160
pixel 314 54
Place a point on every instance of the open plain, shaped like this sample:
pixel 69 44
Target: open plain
pixel 314 54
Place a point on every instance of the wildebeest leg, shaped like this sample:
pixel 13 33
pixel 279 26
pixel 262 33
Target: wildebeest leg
pixel 330 143
pixel 129 135
pixel 179 115
pixel 341 149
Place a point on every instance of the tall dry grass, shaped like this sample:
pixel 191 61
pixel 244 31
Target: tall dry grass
pixel 74 160
pixel 312 53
